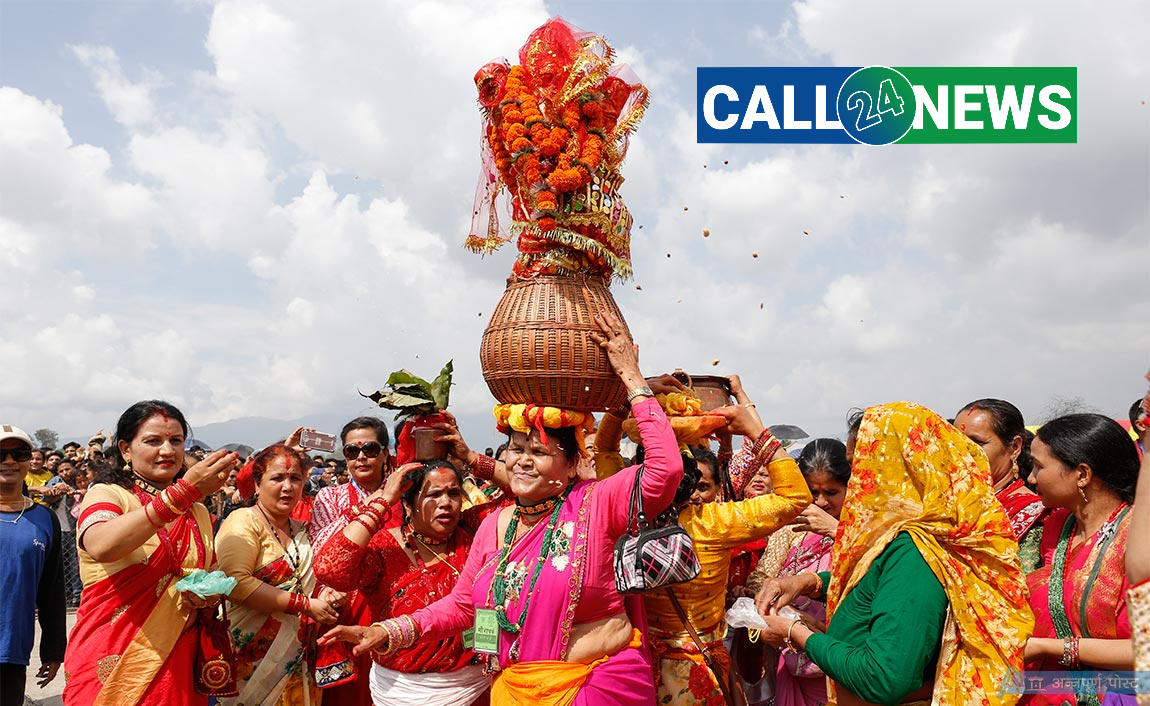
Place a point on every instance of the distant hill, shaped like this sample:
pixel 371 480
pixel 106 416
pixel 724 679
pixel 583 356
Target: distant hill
pixel 258 432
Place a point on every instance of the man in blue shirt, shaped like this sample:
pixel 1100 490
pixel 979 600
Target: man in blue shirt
pixel 31 576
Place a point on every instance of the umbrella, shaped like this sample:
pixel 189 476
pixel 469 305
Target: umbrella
pixel 189 443
pixel 788 432
pixel 242 449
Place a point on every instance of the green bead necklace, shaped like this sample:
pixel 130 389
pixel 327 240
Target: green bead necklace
pixel 499 585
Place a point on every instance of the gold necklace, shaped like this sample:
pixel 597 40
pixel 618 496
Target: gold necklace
pixel 437 555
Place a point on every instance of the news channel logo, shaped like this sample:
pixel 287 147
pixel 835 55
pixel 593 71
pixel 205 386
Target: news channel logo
pixel 883 105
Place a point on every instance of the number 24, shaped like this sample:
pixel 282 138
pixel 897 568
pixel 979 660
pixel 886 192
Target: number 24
pixel 889 101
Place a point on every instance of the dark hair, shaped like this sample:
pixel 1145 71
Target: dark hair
pixel 418 476
pixel 691 477
pixel 1135 414
pixel 1098 442
pixel 263 459
pixel 854 420
pixel 828 456
pixel 721 480
pixel 499 451
pixel 127 427
pixel 374 423
pixel 1006 423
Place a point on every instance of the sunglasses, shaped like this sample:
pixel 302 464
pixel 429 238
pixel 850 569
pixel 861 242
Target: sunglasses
pixel 371 449
pixel 18 455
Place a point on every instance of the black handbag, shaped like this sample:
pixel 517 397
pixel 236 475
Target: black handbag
pixel 648 558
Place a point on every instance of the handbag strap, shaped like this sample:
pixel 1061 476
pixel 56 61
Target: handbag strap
pixel 639 520
pixel 708 658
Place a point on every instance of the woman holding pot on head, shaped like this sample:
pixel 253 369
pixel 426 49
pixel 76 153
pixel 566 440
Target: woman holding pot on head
pixel 403 569
pixel 538 585
pixel 1085 469
pixel 997 427
pixel 270 556
pixel 140 529
pixel 926 602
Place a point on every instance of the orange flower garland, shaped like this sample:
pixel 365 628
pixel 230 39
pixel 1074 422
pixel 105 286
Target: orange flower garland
pixel 543 159
pixel 556 133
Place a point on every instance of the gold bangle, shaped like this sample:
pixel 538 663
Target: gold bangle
pixel 818 582
pixel 788 640
pixel 749 405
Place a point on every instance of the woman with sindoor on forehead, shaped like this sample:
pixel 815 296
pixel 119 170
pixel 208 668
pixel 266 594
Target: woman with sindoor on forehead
pixel 539 584
pixel 1085 470
pixel 926 601
pixel 140 530
pixel 403 569
pixel 276 603
pixel 997 427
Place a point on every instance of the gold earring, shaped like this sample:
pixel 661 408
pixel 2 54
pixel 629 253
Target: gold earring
pixel 1082 492
pixel 1014 467
pixel 128 465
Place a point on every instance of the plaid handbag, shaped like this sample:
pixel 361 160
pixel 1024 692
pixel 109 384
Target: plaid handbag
pixel 648 558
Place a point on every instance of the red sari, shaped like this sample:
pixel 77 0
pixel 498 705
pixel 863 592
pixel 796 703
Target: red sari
pixel 135 641
pixel 393 585
pixel 1094 593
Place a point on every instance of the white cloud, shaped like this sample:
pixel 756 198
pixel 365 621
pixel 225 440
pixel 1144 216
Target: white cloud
pixel 227 257
pixel 130 103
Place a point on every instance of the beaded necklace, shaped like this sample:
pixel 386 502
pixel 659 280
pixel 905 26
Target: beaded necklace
pixel 292 561
pixel 1056 597
pixel 499 584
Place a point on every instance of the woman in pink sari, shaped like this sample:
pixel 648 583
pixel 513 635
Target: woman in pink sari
pixel 1085 468
pixel 798 680
pixel 538 585
pixel 136 636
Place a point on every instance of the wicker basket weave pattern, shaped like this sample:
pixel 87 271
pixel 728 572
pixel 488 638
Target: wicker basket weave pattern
pixel 536 348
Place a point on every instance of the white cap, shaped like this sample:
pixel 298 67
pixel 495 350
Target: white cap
pixel 8 431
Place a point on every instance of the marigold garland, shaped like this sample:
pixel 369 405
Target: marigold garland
pixel 556 132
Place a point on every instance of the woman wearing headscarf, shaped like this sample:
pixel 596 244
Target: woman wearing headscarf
pixel 926 601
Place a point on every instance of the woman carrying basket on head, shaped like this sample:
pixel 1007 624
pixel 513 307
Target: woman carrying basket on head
pixel 538 586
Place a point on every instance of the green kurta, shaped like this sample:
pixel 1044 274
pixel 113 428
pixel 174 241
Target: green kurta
pixel 883 641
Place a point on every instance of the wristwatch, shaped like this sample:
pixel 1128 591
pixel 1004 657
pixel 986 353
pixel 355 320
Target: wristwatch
pixel 644 391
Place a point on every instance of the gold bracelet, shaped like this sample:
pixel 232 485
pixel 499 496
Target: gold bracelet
pixel 818 582
pixel 749 405
pixel 788 641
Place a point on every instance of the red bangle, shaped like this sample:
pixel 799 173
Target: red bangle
pixel 193 492
pixel 484 467
pixel 164 513
pixel 297 604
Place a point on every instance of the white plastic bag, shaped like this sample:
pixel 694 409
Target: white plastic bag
pixel 743 615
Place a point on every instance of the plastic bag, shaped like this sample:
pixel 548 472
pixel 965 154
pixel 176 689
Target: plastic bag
pixel 743 615
pixel 206 583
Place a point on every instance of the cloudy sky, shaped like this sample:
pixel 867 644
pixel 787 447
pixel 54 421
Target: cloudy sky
pixel 258 208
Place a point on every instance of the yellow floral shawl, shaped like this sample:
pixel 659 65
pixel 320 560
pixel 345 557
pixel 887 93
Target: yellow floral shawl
pixel 915 473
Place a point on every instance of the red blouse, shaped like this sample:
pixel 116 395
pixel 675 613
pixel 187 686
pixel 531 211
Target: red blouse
pixel 394 585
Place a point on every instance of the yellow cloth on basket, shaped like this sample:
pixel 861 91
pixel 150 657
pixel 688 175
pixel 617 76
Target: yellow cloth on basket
pixel 547 682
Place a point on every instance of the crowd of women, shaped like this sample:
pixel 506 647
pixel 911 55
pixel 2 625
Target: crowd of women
pixel 923 561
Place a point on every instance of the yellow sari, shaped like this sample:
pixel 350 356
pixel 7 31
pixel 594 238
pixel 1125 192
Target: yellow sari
pixel 915 473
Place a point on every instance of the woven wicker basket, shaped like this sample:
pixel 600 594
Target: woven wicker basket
pixel 536 348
